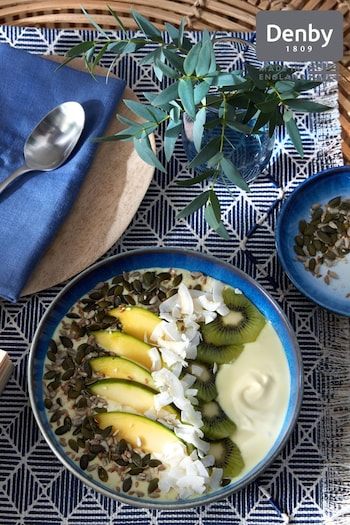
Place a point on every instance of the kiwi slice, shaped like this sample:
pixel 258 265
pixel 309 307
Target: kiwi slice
pixel 241 325
pixel 216 424
pixel 227 456
pixel 205 380
pixel 209 353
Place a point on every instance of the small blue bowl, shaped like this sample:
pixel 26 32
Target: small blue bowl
pixel 164 258
pixel 319 188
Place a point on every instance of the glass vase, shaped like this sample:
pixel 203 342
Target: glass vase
pixel 250 153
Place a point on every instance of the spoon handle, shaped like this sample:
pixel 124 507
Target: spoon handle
pixel 20 171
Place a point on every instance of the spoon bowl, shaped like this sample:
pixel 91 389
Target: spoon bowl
pixel 52 140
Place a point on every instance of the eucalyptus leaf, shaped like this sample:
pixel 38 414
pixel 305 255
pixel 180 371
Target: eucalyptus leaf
pixel 174 59
pixel 194 205
pixel 204 59
pixel 192 58
pixel 233 174
pixel 215 204
pixel 151 57
pixel 173 32
pixel 118 20
pixel 200 91
pixel 239 126
pixel 262 119
pixel 287 115
pixel 142 110
pixel 268 105
pixel 146 26
pixel 165 69
pixel 307 106
pixel 171 136
pixel 210 216
pixel 285 85
pixel 198 128
pixel 204 175
pixel 94 23
pixel 207 151
pixel 295 137
pixel 222 231
pixel 303 84
pixel 79 49
pixel 186 95
pixel 145 152
pixel 167 95
pixel 256 76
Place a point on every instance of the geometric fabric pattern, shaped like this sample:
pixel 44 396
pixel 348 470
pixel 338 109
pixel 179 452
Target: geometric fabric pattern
pixel 309 480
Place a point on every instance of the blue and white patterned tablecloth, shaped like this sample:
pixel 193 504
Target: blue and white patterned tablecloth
pixel 310 479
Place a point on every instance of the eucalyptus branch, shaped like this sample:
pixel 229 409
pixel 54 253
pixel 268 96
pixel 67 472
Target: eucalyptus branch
pixel 245 101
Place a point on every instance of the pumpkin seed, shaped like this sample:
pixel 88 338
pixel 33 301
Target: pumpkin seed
pixel 155 463
pixel 127 484
pixel 136 459
pixel 53 346
pixel 62 430
pixel 145 461
pixel 178 280
pixel 68 374
pixel 68 363
pixel 324 237
pixel 73 445
pixel 334 203
pixel 135 471
pixel 51 356
pixel 122 462
pixel 102 474
pixel 121 446
pixel 225 482
pixel 73 393
pixel 84 461
pixel 66 341
pixel 56 416
pixel 48 403
pixel 153 485
pixel 73 315
pixel 51 374
pixel 82 402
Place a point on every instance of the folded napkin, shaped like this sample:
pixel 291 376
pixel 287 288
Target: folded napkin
pixel 6 367
pixel 33 208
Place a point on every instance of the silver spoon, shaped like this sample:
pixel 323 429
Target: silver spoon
pixel 52 140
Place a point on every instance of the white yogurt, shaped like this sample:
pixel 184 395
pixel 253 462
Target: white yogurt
pixel 254 393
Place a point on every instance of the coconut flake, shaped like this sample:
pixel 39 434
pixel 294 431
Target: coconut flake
pixel 185 473
pixel 177 337
pixel 156 360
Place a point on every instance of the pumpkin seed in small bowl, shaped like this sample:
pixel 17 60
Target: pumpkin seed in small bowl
pixel 313 239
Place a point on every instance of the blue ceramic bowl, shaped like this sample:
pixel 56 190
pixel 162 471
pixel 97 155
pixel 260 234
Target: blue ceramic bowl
pixel 164 258
pixel 319 188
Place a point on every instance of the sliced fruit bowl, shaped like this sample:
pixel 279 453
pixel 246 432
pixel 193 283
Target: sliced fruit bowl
pixel 165 378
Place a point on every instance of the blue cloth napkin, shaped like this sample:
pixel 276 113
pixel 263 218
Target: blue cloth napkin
pixel 33 208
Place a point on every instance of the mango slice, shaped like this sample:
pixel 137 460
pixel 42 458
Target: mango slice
pixel 125 345
pixel 120 368
pixel 136 321
pixel 127 394
pixel 141 432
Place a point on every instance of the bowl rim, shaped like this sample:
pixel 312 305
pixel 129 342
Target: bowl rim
pixel 284 257
pixel 264 297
